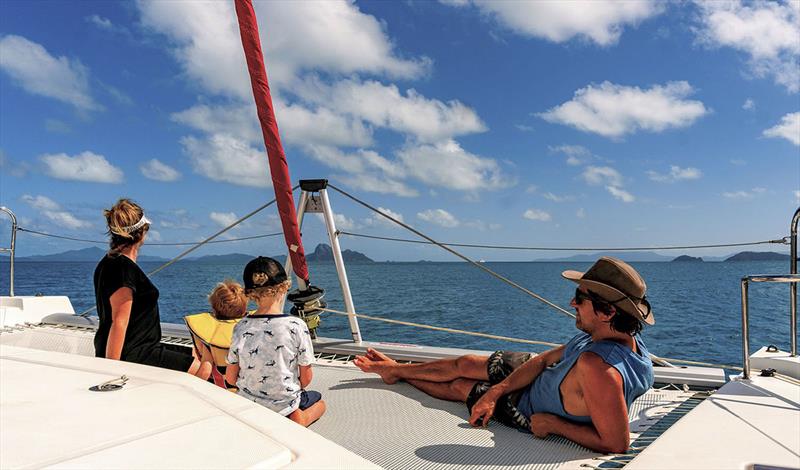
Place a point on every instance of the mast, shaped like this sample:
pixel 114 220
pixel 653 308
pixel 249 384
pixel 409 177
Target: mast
pixel 248 28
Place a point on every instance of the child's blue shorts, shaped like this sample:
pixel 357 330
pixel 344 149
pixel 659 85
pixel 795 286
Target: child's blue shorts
pixel 308 398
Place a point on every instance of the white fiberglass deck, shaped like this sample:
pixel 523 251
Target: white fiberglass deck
pixel 159 419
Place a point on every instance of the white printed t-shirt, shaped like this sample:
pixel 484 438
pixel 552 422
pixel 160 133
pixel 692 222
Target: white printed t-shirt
pixel 269 350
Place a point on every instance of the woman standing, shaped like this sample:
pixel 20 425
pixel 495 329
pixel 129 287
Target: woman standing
pixel 127 302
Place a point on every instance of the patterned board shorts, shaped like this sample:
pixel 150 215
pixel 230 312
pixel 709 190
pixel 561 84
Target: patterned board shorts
pixel 500 366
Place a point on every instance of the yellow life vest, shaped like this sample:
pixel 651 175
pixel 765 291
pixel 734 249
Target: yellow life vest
pixel 215 334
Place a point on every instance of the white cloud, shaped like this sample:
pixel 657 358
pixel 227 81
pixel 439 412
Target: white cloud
pixel 52 211
pixel 796 196
pixel 537 214
pixel 365 169
pixel 581 213
pixel 676 173
pixel 86 166
pixel 177 219
pixel 614 110
pixel 597 175
pixel 439 217
pixel 331 36
pixel 100 22
pixel 600 21
pixel 556 198
pixel 608 177
pixel 379 220
pixel 299 125
pixel 576 154
pixel 767 32
pixel 749 104
pixel 156 170
pixel 223 219
pixel 154 235
pixel 385 106
pixel 42 203
pixel 620 194
pixel 742 194
pixel 224 158
pixel 531 189
pixel 447 165
pixel 788 129
pixel 341 221
pixel 39 73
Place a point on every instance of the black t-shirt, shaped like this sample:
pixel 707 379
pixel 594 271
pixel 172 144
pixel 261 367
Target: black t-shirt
pixel 143 335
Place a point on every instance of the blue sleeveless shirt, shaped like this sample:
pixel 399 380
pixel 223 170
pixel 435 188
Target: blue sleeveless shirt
pixel 544 394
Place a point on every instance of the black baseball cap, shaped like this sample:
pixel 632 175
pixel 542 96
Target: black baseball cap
pixel 263 272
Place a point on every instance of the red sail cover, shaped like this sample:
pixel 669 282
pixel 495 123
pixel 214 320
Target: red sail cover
pixel 248 27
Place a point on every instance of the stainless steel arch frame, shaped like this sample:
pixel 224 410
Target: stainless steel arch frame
pixel 11 248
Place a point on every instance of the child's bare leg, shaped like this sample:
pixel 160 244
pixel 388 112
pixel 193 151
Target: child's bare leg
pixel 201 366
pixel 309 415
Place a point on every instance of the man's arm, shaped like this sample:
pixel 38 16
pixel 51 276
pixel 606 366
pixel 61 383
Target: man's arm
pixel 121 302
pixel 523 376
pixel 604 397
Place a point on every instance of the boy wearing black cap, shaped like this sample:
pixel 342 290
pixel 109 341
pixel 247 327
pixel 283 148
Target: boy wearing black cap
pixel 271 352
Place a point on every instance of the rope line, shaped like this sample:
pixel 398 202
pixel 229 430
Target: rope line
pixel 454 252
pixel 104 242
pixel 783 241
pixel 442 328
pixel 199 244
pixel 508 338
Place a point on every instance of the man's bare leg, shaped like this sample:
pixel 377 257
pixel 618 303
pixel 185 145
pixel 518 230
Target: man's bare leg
pixel 443 370
pixel 457 390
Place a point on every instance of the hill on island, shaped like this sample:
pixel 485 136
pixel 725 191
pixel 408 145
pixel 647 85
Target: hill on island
pixel 687 259
pixel 322 254
pixel 627 256
pixel 759 256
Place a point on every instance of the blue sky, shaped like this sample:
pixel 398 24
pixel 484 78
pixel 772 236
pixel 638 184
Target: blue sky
pixel 517 123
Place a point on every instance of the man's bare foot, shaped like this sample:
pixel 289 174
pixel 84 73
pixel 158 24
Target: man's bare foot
pixel 375 364
pixel 376 355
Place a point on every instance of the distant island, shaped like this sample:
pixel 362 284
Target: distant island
pixel 628 256
pixel 687 259
pixel 322 254
pixel 758 256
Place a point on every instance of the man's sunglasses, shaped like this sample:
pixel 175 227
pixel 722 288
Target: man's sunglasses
pixel 580 296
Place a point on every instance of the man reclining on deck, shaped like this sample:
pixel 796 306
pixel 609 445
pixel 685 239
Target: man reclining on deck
pixel 581 390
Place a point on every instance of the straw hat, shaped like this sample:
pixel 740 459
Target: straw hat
pixel 619 284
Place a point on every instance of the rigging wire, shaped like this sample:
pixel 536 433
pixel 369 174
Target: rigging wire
pixel 199 244
pixel 784 241
pixel 441 328
pixel 447 248
pixel 104 242
pixel 507 338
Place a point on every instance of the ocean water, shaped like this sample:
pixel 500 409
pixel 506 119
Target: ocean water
pixel 697 305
